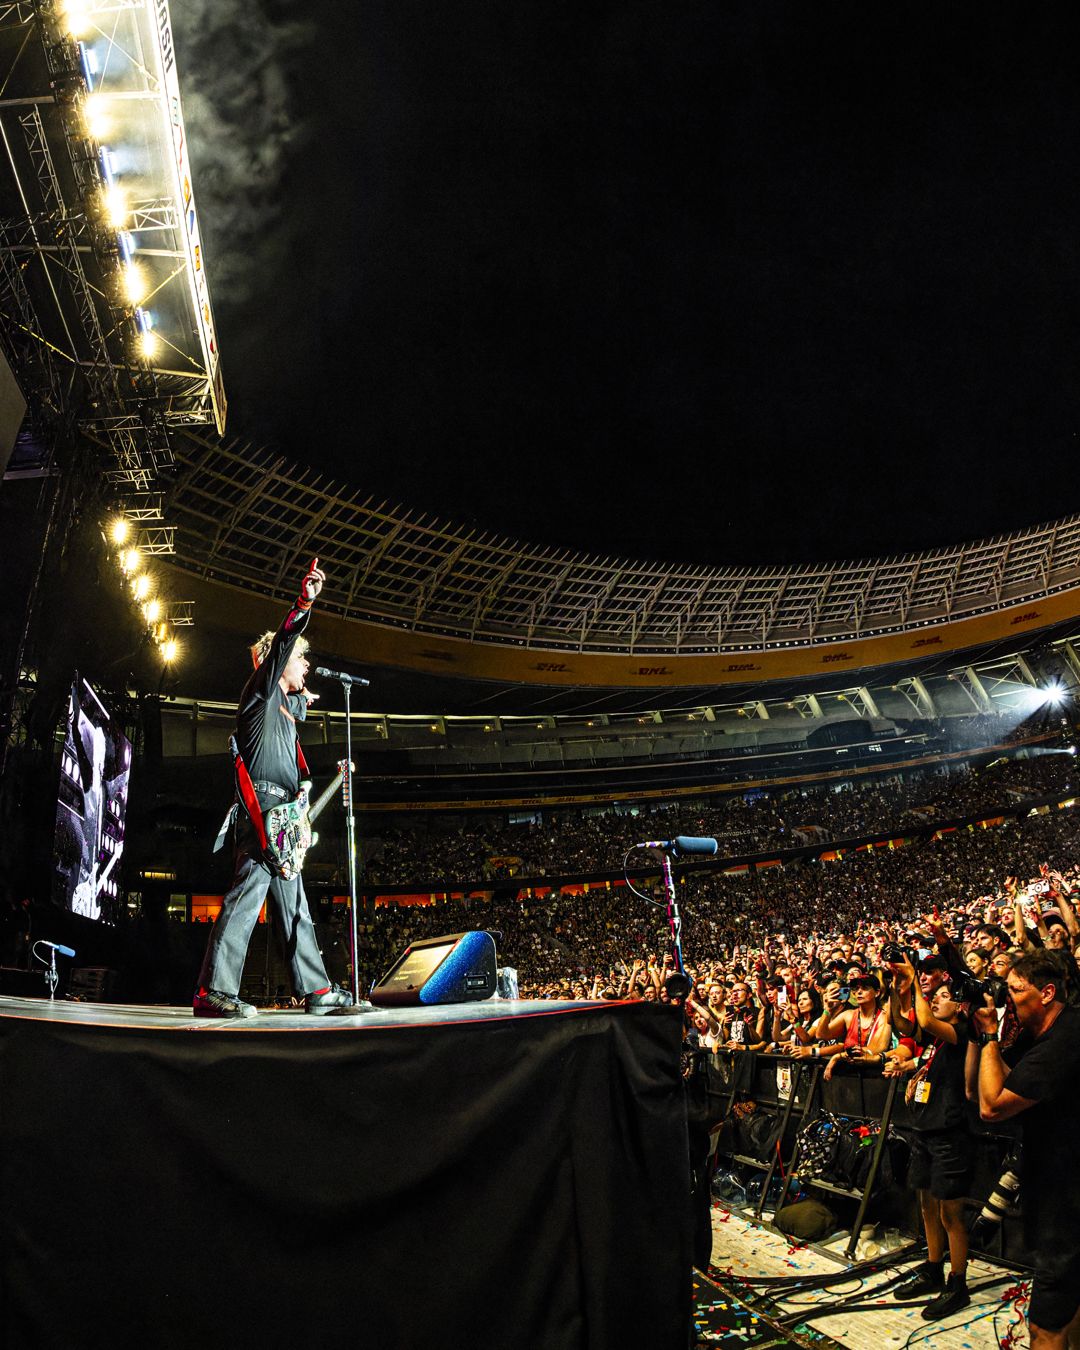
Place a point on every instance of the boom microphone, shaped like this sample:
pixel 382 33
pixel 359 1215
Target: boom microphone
pixel 683 844
pixel 57 947
pixel 340 675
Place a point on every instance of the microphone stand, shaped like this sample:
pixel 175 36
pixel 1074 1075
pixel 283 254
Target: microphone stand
pixel 347 683
pixel 52 975
pixel 674 917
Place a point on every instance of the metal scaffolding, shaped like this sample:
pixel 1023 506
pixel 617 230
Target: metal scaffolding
pixel 78 338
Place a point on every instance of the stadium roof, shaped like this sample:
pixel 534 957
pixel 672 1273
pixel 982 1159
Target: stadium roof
pixel 422 595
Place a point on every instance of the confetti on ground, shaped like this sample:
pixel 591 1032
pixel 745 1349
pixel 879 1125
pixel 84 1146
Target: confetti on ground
pixel 745 1253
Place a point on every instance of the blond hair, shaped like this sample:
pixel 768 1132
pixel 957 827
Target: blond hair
pixel 260 648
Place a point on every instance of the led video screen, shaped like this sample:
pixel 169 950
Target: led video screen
pixel 91 808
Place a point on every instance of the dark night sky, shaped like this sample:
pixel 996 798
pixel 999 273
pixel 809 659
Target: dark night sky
pixel 725 282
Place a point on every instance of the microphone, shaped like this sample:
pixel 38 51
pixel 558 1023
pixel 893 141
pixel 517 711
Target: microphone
pixel 683 844
pixel 340 675
pixel 58 948
pixel 677 984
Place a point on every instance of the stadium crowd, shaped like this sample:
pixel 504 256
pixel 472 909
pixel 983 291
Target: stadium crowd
pixel 948 964
pixel 571 842
pixel 570 944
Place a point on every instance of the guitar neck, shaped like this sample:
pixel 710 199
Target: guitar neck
pixel 325 797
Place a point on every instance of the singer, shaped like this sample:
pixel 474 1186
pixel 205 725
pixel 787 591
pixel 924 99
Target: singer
pixel 273 702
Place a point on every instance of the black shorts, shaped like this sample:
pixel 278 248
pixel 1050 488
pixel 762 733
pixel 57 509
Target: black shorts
pixel 941 1163
pixel 1055 1293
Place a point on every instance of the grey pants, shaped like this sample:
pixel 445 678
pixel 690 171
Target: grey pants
pixel 223 964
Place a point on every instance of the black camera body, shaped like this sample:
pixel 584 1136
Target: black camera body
pixel 892 951
pixel 966 988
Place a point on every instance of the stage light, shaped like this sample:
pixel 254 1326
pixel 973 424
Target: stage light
pixel 115 202
pixel 119 530
pixel 148 345
pixel 170 650
pixel 1055 694
pixel 141 586
pixel 153 611
pixel 135 283
pixel 130 559
pixel 96 116
pixel 76 17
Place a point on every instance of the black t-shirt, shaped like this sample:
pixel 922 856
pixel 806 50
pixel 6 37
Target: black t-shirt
pixel 741 1026
pixel 266 717
pixel 946 1105
pixel 1048 1072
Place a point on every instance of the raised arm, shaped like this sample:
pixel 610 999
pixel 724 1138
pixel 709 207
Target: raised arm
pixel 944 1031
pixel 1066 910
pixel 271 661
pixel 903 1023
pixel 834 1019
pixel 996 1101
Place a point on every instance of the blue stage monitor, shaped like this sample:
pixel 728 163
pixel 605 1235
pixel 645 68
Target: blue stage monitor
pixel 455 968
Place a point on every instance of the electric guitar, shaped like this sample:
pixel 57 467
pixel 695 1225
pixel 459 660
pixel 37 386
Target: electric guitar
pixel 288 826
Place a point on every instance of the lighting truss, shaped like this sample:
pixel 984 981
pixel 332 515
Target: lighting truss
pixel 87 210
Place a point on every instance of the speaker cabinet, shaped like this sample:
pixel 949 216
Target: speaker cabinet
pixel 456 968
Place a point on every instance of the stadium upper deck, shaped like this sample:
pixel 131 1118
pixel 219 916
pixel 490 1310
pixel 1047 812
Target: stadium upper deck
pixel 410 592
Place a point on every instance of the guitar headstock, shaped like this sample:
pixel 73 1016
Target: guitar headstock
pixel 342 764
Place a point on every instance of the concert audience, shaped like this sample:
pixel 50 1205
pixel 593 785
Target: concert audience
pixel 743 824
pixel 783 919
pixel 860 961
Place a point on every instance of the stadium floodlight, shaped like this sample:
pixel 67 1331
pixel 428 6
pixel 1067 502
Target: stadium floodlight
pixel 148 345
pixel 115 202
pixel 135 283
pixel 1043 696
pixel 77 19
pixel 96 116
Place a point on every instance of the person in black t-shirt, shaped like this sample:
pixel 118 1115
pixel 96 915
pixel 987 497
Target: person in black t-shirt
pixel 1043 1089
pixel 741 1028
pixel 273 702
pixel 940 1168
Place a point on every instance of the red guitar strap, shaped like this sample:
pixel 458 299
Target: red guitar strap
pixel 245 790
pixel 301 762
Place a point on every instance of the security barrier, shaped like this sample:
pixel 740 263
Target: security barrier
pixel 846 1135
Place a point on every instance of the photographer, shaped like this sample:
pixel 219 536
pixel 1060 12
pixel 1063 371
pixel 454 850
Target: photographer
pixel 1043 1086
pixel 940 1168
pixel 899 985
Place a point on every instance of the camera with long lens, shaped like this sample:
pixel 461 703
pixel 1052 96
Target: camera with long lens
pixel 1002 1201
pixel 966 988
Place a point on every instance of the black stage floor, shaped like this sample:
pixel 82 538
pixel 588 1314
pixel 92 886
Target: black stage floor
pixel 511 1173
